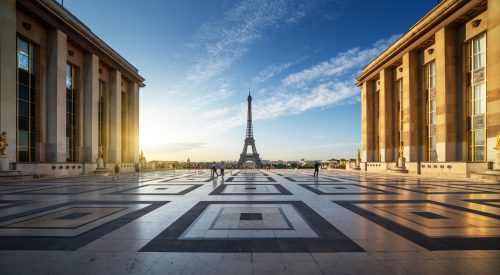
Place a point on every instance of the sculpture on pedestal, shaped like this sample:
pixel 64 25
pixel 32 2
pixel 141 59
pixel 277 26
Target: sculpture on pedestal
pixel 4 158
pixel 100 169
pixel 497 158
pixel 3 143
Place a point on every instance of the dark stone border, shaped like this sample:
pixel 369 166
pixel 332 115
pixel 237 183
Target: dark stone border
pixel 73 243
pixel 183 192
pixel 34 192
pixel 14 203
pixel 204 179
pixel 320 179
pixel 318 192
pixel 21 187
pixel 330 238
pixel 466 191
pixel 439 243
pixel 484 202
pixel 218 191
pixel 232 179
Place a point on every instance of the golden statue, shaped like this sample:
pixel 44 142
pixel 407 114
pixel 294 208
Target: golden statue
pixel 3 143
pixel 101 151
pixel 498 141
pixel 359 154
pixel 401 150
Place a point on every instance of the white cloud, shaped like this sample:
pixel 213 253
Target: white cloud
pixel 319 137
pixel 270 71
pixel 225 40
pixel 346 61
pixel 320 86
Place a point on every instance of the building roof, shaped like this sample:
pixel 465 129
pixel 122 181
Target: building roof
pixel 421 33
pixel 55 15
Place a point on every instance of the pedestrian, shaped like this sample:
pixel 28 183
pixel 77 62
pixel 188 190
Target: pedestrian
pixel 117 170
pixel 136 169
pixel 213 167
pixel 222 169
pixel 316 169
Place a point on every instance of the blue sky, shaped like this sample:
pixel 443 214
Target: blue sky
pixel 199 59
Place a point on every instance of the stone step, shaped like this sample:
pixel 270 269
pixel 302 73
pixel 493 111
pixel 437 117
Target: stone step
pixel 487 175
pixel 13 175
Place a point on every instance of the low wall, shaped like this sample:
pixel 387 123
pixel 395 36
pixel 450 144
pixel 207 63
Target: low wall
pixel 57 170
pixel 451 169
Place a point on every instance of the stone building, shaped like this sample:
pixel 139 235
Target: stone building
pixel 436 93
pixel 63 92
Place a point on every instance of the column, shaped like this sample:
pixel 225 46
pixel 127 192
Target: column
pixel 410 106
pixel 90 107
pixel 446 131
pixel 133 122
pixel 8 71
pixel 56 96
pixel 115 121
pixel 386 119
pixel 367 138
pixel 493 78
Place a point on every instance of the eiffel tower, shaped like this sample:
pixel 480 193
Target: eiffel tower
pixel 249 140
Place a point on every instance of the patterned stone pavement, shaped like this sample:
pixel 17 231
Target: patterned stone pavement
pixel 250 222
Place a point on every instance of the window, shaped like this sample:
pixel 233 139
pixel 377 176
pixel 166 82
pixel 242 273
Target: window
pixel 101 113
pixel 26 101
pixel 124 126
pixel 71 112
pixel 477 99
pixel 399 95
pixel 430 83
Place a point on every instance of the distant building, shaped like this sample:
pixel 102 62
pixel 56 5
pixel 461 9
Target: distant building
pixel 436 93
pixel 63 92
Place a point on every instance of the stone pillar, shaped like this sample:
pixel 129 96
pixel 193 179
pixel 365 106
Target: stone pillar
pixel 133 122
pixel 115 120
pixel 410 106
pixel 56 96
pixel 493 78
pixel 386 119
pixel 367 138
pixel 446 131
pixel 8 71
pixel 90 107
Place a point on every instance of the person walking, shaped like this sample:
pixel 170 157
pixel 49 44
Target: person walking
pixel 213 167
pixel 222 169
pixel 136 169
pixel 316 169
pixel 117 170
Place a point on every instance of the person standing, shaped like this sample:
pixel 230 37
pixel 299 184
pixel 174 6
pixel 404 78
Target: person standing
pixel 222 169
pixel 213 167
pixel 117 170
pixel 316 169
pixel 136 169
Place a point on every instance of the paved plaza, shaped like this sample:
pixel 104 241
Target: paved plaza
pixel 250 222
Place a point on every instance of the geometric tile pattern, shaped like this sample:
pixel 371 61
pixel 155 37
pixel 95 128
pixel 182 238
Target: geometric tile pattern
pixel 286 226
pixel 343 189
pixel 433 225
pixel 250 189
pixel 70 225
pixel 159 189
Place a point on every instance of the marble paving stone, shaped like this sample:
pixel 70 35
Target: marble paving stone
pixel 250 222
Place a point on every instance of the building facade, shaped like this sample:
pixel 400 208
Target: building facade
pixel 63 93
pixel 435 93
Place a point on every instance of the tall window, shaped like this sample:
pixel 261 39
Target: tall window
pixel 477 99
pixel 377 124
pixel 399 94
pixel 430 83
pixel 124 126
pixel 101 113
pixel 71 112
pixel 26 100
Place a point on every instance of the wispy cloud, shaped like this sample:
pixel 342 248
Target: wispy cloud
pixel 270 71
pixel 225 40
pixel 319 86
pixel 319 137
pixel 346 61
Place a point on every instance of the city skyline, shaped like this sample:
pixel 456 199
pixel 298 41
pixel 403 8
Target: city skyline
pixel 299 60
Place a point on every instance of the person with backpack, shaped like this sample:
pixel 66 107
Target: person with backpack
pixel 316 169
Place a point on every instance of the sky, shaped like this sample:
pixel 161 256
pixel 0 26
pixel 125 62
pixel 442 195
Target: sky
pixel 298 58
